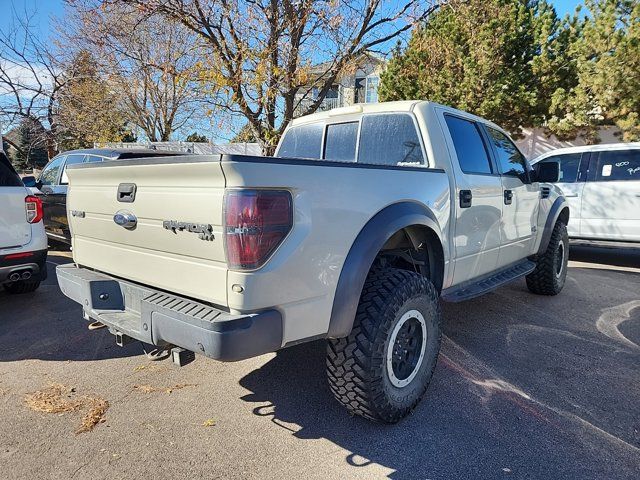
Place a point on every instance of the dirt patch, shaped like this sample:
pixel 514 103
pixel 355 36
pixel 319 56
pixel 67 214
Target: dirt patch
pixel 60 399
pixel 152 389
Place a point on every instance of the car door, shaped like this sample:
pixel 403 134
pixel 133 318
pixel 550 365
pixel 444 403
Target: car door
pixel 47 184
pixel 61 197
pixel 611 196
pixel 572 181
pixel 478 199
pixel 520 199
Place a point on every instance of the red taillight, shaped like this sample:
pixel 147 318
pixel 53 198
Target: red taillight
pixel 256 222
pixel 33 205
pixel 13 256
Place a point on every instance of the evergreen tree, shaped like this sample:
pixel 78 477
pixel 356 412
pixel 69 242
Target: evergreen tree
pixel 196 138
pixel 32 143
pixel 500 59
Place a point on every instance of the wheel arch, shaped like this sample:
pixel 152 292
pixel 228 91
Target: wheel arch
pixel 419 224
pixel 558 211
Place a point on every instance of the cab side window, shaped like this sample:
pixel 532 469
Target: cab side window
pixel 510 160
pixel 617 165
pixel 470 148
pixel 569 166
pixel 71 160
pixel 51 173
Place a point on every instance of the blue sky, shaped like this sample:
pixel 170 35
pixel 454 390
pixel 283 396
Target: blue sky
pixel 44 9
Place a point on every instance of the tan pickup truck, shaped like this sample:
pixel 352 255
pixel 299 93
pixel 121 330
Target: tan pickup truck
pixel 363 220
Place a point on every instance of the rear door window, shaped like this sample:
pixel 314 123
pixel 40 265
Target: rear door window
pixel 71 160
pixel 469 145
pixel 8 176
pixel 569 166
pixel 303 141
pixel 92 159
pixel 617 165
pixel 51 172
pixel 389 139
pixel 340 142
pixel 510 160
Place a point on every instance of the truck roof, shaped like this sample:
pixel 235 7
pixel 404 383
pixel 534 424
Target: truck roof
pixel 601 147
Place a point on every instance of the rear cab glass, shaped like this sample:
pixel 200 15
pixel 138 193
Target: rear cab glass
pixel 381 139
pixel 8 176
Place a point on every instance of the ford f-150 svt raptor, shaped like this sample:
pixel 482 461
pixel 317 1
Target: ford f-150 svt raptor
pixel 365 217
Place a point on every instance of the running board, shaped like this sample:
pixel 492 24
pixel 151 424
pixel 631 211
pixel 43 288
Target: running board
pixel 475 288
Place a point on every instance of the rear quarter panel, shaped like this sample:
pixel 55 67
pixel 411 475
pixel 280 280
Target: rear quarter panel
pixel 331 205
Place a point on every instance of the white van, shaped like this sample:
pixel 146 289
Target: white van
pixel 23 243
pixel 602 186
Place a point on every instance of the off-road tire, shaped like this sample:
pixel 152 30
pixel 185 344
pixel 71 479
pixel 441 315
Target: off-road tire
pixel 21 287
pixel 357 365
pixel 550 273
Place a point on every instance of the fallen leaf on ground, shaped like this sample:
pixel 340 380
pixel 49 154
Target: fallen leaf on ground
pixel 151 389
pixel 60 399
pixel 210 422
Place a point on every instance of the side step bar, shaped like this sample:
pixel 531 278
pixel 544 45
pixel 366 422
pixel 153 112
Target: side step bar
pixel 486 283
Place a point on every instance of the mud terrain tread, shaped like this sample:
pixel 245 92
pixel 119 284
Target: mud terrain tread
pixel 542 280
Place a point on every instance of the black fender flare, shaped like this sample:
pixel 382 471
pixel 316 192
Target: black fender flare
pixel 559 204
pixel 380 228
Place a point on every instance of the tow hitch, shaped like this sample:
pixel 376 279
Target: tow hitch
pixel 122 339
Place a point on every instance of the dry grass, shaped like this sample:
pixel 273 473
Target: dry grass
pixel 152 389
pixel 150 368
pixel 58 398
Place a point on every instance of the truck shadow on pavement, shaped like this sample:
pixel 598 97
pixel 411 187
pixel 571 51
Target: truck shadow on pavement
pixel 526 386
pixel 46 325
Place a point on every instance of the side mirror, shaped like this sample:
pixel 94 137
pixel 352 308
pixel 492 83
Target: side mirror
pixel 547 172
pixel 29 181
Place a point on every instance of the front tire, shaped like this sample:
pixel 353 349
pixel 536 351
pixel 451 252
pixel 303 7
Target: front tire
pixel 383 368
pixel 22 287
pixel 550 273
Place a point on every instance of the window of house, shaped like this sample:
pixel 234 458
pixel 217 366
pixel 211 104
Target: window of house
pixel 372 90
pixel 617 165
pixel 569 166
pixel 470 148
pixel 510 160
pixel 304 141
pixel 389 139
pixel 359 90
pixel 340 142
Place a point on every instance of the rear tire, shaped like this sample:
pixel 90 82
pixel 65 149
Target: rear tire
pixel 551 267
pixel 383 368
pixel 22 287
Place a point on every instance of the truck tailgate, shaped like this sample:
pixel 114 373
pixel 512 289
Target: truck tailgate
pixel 185 193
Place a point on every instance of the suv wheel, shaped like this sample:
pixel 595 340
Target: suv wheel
pixel 382 369
pixel 21 287
pixel 551 269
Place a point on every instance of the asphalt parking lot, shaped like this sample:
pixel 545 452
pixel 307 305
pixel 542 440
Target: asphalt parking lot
pixel 525 387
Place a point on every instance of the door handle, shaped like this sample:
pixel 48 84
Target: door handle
pixel 465 198
pixel 508 197
pixel 571 196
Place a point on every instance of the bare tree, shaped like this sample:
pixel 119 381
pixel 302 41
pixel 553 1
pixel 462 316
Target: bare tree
pixel 30 79
pixel 150 62
pixel 259 52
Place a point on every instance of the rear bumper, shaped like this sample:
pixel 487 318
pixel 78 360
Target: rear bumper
pixel 161 319
pixel 35 264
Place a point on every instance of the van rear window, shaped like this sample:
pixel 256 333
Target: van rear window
pixel 8 176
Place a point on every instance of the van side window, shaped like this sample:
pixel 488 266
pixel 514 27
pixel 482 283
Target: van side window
pixel 569 166
pixel 340 142
pixel 304 141
pixel 49 175
pixel 389 139
pixel 510 160
pixel 470 148
pixel 617 165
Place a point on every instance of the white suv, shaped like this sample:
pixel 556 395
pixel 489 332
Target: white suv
pixel 23 243
pixel 602 186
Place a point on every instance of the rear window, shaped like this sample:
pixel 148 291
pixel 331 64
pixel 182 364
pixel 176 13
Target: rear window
pixel 8 176
pixel 389 139
pixel 340 142
pixel 304 141
pixel 617 165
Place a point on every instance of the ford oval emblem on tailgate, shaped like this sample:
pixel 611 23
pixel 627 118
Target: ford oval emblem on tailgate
pixel 125 219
